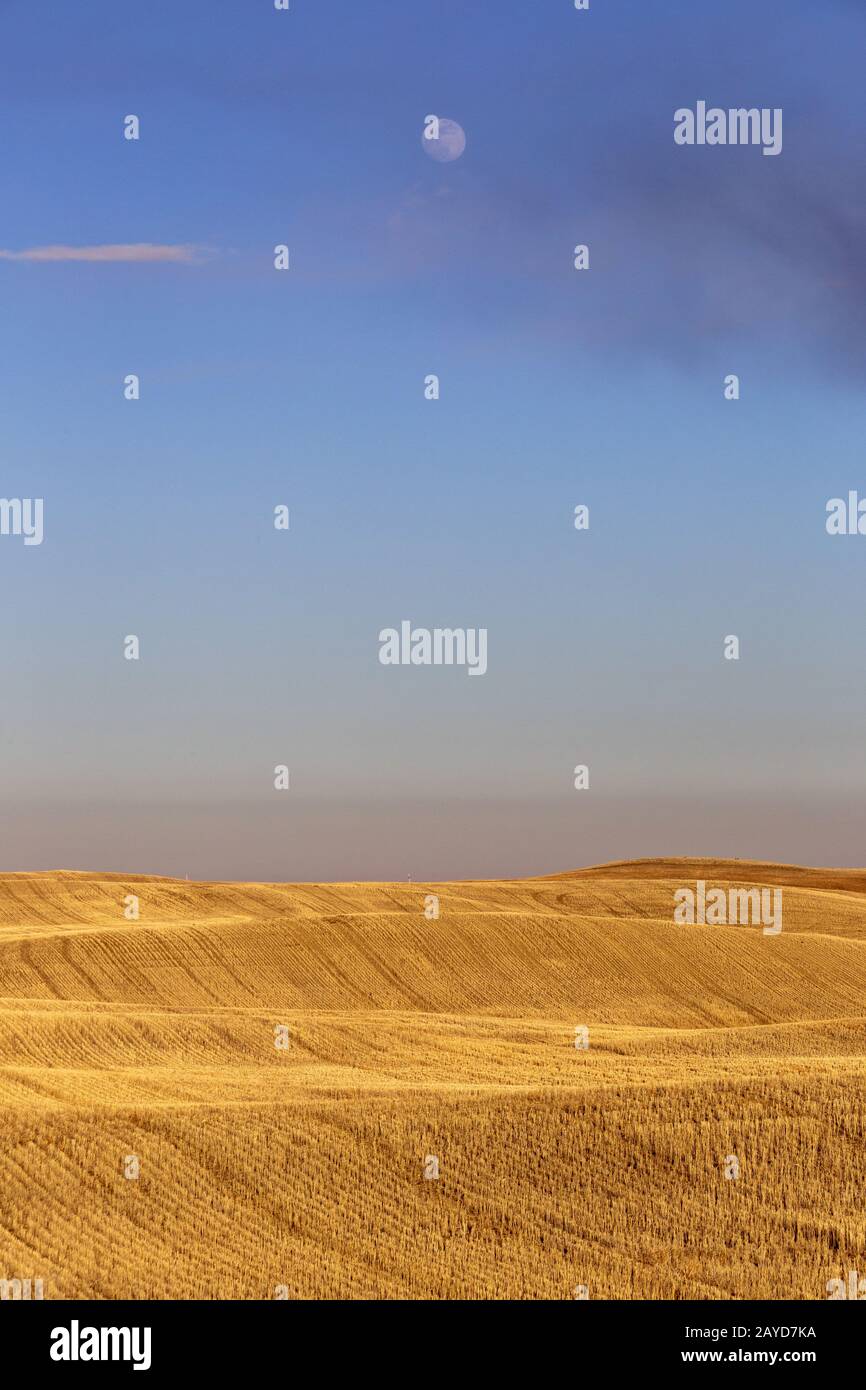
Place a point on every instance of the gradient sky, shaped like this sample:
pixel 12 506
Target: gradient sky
pixel 306 388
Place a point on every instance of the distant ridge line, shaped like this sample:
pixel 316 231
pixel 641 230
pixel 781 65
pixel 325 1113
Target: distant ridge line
pixel 680 868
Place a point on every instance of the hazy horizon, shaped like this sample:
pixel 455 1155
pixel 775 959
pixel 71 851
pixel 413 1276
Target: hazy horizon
pixel 519 839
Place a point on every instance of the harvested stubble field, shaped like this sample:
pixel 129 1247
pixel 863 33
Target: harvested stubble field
pixel 303 1167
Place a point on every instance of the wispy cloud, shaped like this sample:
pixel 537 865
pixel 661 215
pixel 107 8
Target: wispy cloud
pixel 143 252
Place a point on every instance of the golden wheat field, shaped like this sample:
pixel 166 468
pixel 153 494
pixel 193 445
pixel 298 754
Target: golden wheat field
pixel 299 1170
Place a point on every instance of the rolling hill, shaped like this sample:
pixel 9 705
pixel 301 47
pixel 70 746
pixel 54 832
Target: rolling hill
pixel 298 1170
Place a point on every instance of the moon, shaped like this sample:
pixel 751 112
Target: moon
pixel 451 142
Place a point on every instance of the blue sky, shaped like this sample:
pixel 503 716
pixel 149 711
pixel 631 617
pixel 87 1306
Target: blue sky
pixel 306 388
